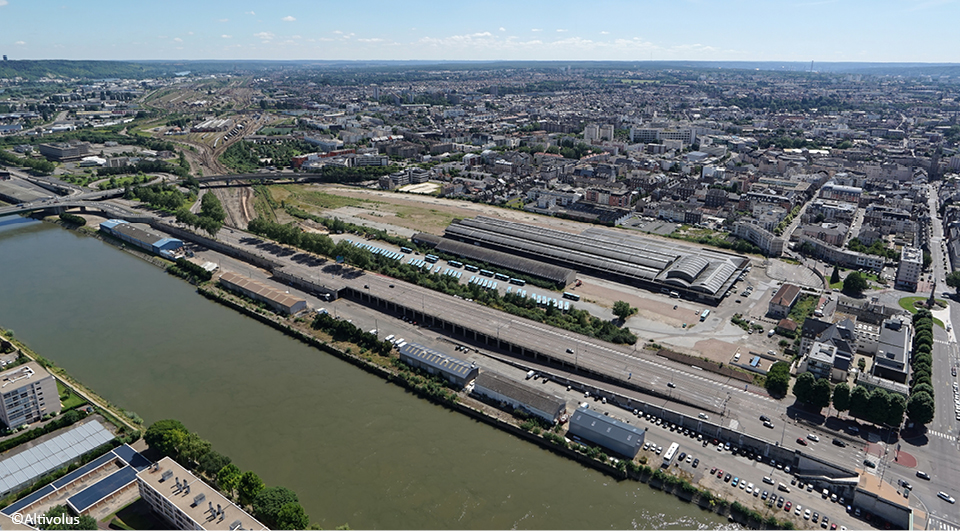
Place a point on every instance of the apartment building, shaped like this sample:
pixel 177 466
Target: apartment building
pixel 186 502
pixel 29 393
pixel 768 242
pixel 911 265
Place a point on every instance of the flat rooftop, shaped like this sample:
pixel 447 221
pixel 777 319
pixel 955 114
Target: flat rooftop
pixel 21 375
pixel 185 501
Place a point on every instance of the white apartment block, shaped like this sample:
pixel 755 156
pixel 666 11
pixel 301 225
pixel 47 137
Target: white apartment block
pixel 28 393
pixel 908 272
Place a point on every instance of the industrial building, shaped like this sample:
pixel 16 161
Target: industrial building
pixel 609 433
pixel 519 396
pixel 22 469
pixel 278 300
pixel 696 273
pixel 61 151
pixel 455 371
pixel 561 276
pixel 212 126
pixel 143 237
pixel 28 393
pixel 186 502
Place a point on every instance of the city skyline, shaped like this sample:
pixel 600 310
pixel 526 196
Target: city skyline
pixel 692 30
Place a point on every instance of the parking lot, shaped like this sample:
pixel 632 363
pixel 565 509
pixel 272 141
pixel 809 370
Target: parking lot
pixel 745 477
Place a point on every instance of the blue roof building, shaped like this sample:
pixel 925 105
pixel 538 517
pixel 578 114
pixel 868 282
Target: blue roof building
pixel 609 433
pixel 457 372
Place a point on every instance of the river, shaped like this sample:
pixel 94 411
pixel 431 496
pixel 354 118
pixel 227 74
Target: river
pixel 357 450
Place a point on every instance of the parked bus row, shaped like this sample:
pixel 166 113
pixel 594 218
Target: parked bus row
pixel 393 255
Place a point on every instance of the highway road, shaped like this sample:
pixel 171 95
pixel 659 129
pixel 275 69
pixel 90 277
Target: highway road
pixel 631 366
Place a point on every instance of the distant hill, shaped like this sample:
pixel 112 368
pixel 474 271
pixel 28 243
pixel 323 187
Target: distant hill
pixel 149 69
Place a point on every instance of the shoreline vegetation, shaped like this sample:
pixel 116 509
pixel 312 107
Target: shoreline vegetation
pixel 346 342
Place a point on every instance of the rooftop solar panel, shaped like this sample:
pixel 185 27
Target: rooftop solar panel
pixel 27 501
pixel 93 494
pixel 84 470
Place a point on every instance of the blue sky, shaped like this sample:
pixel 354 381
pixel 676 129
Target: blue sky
pixel 697 30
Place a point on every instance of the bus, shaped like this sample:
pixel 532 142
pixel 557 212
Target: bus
pixel 501 276
pixel 518 281
pixel 431 258
pixel 703 316
pixel 571 296
pixel 668 457
pixel 486 273
pixel 471 268
pixel 454 263
pixel 406 250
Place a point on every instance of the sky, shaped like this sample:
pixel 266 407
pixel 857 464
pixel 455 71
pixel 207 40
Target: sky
pixel 489 30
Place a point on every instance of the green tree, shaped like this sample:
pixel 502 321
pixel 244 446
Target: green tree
pixel 920 408
pixel 84 522
pixel 623 310
pixel 854 284
pixel 803 387
pixel 778 379
pixel 922 388
pixel 228 479
pixel 192 449
pixel 212 462
pixel 877 406
pixel 841 396
pixel 292 516
pixel 896 406
pixel 861 364
pixel 210 207
pixel 820 393
pixel 267 504
pixel 953 280
pixel 250 486
pixel 859 399
pixel 166 436
pixel 835 276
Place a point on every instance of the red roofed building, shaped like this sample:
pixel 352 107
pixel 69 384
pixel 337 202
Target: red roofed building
pixel 783 301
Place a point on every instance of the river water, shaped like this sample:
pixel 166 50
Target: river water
pixel 357 450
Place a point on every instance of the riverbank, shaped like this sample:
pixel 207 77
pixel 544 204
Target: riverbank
pixel 548 439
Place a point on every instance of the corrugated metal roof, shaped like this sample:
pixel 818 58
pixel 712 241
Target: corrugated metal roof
pixel 36 461
pixel 587 421
pixel 437 360
pixel 262 290
pixel 522 393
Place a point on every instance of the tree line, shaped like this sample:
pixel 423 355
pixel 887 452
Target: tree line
pixel 276 507
pixel 579 321
pixel 39 165
pixel 211 216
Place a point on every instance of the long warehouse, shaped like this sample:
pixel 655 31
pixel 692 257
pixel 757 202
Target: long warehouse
pixel 696 273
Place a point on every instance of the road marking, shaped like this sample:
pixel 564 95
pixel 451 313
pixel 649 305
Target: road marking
pixel 941 524
pixel 951 438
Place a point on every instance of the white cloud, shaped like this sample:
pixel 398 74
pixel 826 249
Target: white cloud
pixel 536 29
pixel 249 13
pixel 226 36
pixel 189 33
pixel 502 28
pixel 561 31
pixel 338 32
pixel 223 20
pixel 177 39
pixel 604 33
pixel 288 18
pixel 3 3
pixel 264 35
pixel 20 43
pixel 375 39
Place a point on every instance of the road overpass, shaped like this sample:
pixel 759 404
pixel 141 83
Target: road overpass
pixel 56 207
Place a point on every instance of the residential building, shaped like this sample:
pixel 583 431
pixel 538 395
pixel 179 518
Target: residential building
pixel 826 361
pixel 893 347
pixel 186 502
pixel 768 242
pixel 838 192
pixel 909 269
pixel 28 393
pixel 783 301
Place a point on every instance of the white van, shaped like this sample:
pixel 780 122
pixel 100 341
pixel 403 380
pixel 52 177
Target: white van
pixel 771 332
pixel 389 338
pixel 736 357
